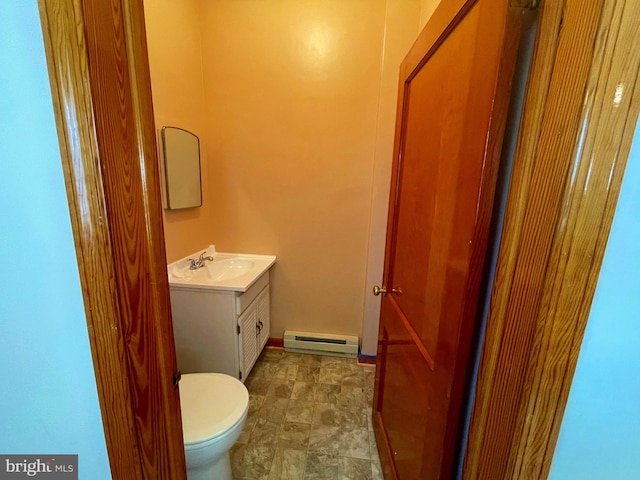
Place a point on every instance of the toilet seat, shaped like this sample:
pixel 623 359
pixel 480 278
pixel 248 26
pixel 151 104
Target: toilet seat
pixel 211 404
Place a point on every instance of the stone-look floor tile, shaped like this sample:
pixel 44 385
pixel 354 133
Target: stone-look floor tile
pixel 251 461
pixel 320 466
pixel 352 367
pixel 370 418
pixel 255 404
pixel 325 439
pixel 376 471
pixel 354 416
pixel 288 464
pixel 352 379
pixel 331 360
pixel 299 411
pixel 280 388
pixel 264 369
pixel 368 395
pixel 270 354
pixel 265 432
pixel 273 409
pixel 245 434
pixel 330 374
pixel 291 358
pixel 294 435
pixel 325 414
pixel 326 393
pixel 309 374
pixel 369 377
pixel 286 372
pixel 351 396
pixel 373 448
pixel 303 391
pixel 255 401
pixel 257 385
pixel 339 415
pixel 322 422
pixel 354 469
pixel 354 442
pixel 310 360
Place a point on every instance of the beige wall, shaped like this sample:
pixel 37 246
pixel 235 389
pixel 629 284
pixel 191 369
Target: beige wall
pixel 401 30
pixel 295 114
pixel 292 92
pixel 175 60
pixel 427 7
pixel 404 20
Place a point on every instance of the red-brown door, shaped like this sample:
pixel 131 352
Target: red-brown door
pixel 452 107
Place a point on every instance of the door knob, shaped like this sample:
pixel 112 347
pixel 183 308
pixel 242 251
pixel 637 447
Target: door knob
pixel 383 290
pixel 379 290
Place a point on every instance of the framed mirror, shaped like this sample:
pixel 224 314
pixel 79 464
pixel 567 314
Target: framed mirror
pixel 180 168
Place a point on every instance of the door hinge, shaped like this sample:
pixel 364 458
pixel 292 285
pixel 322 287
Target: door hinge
pixel 238 328
pixel 530 4
pixel 176 378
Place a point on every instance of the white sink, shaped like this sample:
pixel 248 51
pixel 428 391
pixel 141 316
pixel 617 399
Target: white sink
pixel 227 271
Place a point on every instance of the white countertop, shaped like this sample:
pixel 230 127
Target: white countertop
pixel 228 271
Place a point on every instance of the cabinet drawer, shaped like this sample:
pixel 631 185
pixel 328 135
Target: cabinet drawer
pixel 244 300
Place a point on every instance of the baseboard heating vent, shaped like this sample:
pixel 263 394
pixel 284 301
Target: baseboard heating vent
pixel 321 343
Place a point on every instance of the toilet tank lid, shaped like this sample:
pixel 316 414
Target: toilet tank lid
pixel 210 403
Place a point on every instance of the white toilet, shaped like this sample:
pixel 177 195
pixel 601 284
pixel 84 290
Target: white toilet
pixel 214 407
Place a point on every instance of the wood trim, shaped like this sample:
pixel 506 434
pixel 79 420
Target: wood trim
pixel 366 360
pixel 158 414
pixel 67 63
pixel 275 342
pixel 571 153
pixel 98 70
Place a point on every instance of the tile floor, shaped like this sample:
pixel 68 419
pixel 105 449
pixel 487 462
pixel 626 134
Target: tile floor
pixel 309 418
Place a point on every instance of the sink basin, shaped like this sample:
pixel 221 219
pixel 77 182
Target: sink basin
pixel 228 269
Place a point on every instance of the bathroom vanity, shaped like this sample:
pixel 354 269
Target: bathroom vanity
pixel 221 312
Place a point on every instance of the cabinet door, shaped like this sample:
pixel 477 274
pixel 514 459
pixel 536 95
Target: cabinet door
pixel 263 318
pixel 248 322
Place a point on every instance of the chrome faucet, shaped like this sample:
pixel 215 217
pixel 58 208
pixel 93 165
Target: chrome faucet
pixel 199 263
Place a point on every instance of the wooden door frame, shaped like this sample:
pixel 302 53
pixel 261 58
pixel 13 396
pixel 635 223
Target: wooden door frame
pixel 98 67
pixel 579 118
pixel 542 280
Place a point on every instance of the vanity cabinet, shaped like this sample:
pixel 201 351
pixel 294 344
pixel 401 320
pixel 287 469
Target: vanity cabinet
pixel 253 329
pixel 218 330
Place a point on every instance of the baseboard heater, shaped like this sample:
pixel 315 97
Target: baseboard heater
pixel 321 344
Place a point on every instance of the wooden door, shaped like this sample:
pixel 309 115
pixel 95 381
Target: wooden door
pixel 452 107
